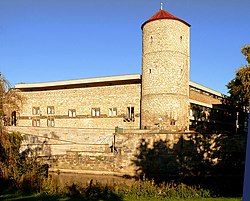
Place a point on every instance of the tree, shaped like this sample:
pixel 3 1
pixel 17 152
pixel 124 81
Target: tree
pixel 239 87
pixel 20 169
pixel 9 143
pixel 245 50
pixel 10 100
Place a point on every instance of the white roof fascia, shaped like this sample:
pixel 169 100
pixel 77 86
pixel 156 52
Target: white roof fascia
pixel 198 86
pixel 200 103
pixel 80 81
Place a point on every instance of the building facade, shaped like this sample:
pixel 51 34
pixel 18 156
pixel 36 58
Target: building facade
pixel 161 98
pixel 106 102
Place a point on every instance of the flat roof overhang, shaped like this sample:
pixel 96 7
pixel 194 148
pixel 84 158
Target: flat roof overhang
pixel 206 89
pixel 99 81
pixel 88 82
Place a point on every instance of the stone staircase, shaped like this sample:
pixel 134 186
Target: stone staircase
pixel 59 141
pixel 72 150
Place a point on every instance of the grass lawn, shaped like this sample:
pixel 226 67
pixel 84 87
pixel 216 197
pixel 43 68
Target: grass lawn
pixel 37 197
pixel 194 199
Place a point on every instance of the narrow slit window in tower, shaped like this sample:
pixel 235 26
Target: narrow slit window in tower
pixel 151 39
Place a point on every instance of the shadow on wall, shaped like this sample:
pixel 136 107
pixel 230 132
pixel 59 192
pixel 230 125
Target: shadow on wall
pixel 221 118
pixel 215 162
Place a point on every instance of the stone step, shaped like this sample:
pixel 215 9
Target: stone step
pixel 66 135
pixel 61 149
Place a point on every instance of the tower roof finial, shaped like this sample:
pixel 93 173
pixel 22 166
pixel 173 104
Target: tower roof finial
pixel 161 6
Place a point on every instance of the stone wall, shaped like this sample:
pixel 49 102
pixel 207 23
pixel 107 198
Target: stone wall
pixel 101 151
pixel 203 98
pixel 83 100
pixel 162 155
pixel 165 75
pixel 60 141
pixel 137 153
pixel 88 162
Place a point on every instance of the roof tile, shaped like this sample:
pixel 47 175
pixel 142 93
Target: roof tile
pixel 162 14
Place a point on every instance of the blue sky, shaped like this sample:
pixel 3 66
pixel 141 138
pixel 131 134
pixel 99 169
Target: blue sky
pixel 50 40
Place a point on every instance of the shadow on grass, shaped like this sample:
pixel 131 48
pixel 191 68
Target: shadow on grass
pixel 41 197
pixel 92 192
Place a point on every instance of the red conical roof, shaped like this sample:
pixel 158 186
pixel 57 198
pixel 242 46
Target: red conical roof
pixel 162 14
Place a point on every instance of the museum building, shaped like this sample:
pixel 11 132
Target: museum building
pixel 162 97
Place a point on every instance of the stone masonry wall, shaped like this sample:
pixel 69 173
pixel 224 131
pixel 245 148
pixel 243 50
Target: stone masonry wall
pixel 160 154
pixel 132 149
pixel 82 100
pixel 92 150
pixel 133 152
pixel 203 98
pixel 59 141
pixel 165 75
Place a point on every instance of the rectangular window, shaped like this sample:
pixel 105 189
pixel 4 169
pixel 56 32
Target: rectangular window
pixel 36 110
pixel 172 122
pixel 130 112
pixel 35 122
pixel 112 112
pixel 50 110
pixel 95 112
pixel 190 113
pixel 72 113
pixel 51 122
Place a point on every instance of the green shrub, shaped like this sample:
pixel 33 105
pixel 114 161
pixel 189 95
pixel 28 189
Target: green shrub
pixel 148 189
pixel 20 170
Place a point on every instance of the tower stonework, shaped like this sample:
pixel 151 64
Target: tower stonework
pixel 165 73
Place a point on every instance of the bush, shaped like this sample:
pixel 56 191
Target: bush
pixel 149 189
pixel 19 170
pixel 138 190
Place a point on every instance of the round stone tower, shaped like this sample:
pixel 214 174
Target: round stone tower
pixel 165 73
